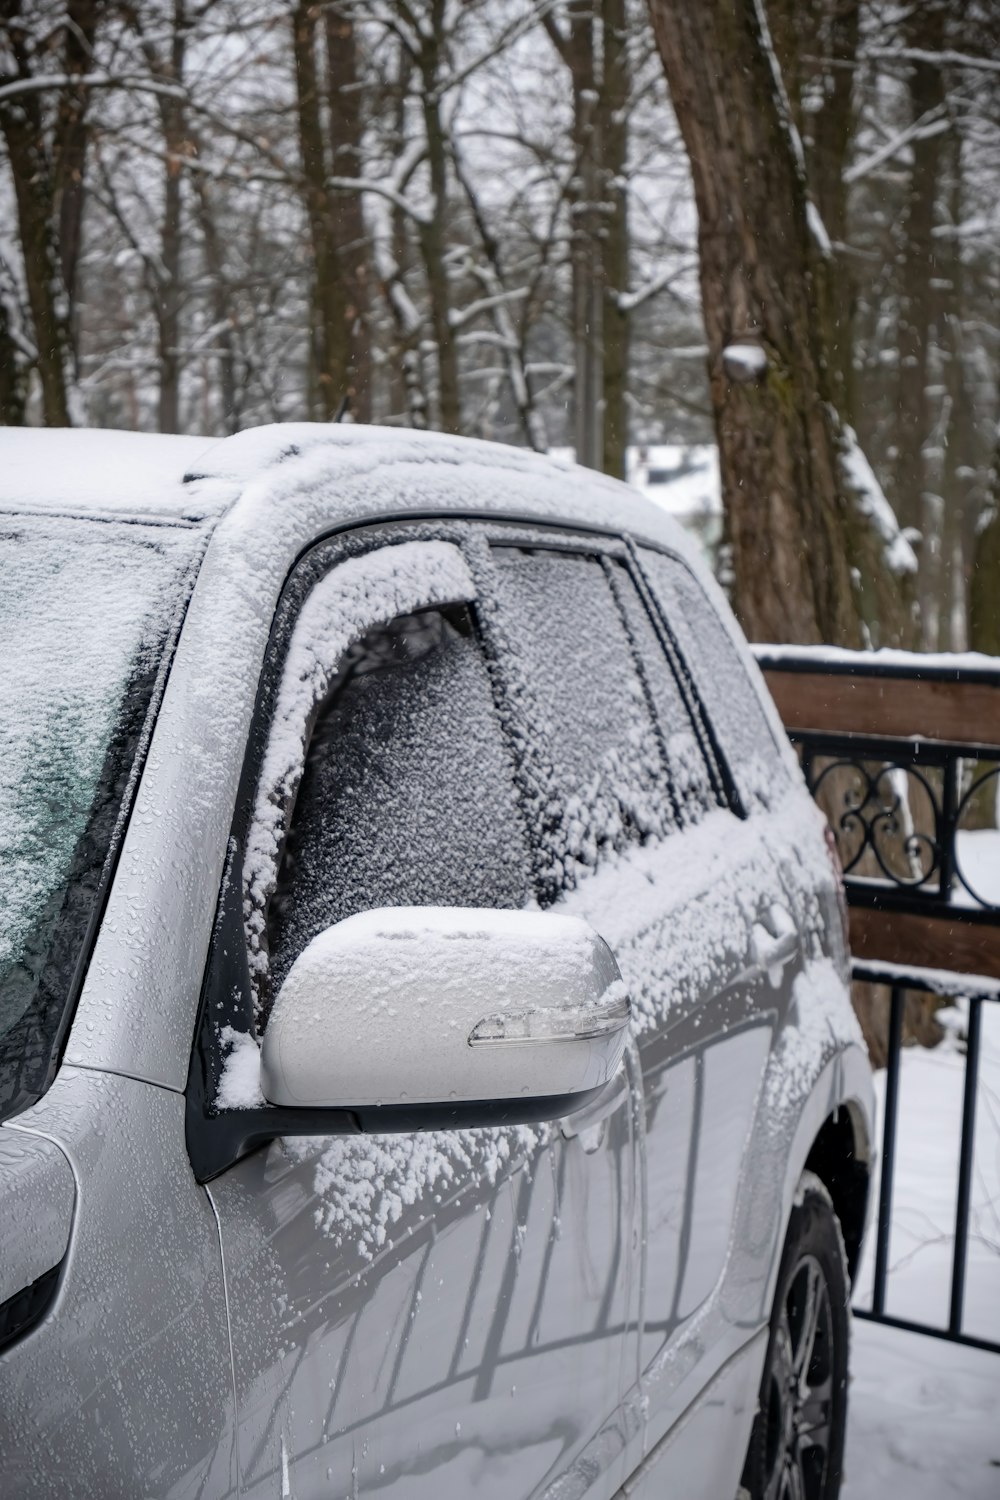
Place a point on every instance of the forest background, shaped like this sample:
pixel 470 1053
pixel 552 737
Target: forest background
pixel 495 217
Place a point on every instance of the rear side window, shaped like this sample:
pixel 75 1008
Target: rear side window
pixel 407 795
pixel 600 769
pixel 730 698
pixel 694 785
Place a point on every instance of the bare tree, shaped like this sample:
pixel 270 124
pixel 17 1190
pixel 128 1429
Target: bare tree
pixel 592 43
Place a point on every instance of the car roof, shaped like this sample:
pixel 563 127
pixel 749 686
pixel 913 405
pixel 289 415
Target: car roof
pixel 85 471
pixel 340 474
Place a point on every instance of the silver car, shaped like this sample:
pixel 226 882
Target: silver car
pixel 427 1066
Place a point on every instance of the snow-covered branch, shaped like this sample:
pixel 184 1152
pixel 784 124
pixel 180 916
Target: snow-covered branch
pixel 933 122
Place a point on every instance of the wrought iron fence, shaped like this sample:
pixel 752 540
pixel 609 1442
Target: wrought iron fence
pixel 904 756
pixel 901 980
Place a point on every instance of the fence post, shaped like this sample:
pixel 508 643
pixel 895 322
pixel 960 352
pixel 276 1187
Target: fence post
pixel 966 1150
pixel 888 1151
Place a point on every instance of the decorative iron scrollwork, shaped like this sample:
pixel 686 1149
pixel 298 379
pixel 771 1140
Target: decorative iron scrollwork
pixel 877 819
pixel 974 793
pixel 897 809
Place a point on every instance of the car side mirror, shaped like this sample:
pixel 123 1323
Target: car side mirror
pixel 404 1014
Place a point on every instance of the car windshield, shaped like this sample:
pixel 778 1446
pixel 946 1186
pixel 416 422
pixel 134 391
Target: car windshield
pixel 86 610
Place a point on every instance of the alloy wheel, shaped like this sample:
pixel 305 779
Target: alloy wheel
pixel 799 1394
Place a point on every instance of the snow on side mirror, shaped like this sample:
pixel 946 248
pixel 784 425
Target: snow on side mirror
pixel 423 1006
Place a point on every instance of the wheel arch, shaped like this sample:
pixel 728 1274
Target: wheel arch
pixel 840 1156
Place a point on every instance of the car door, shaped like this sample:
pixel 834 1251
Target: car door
pixel 645 834
pixel 718 971
pixel 443 1313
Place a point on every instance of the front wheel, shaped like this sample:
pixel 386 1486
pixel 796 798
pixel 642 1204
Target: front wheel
pixel 797 1444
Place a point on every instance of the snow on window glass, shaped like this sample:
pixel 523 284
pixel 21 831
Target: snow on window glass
pixel 725 689
pixel 407 795
pixel 691 784
pixel 352 598
pixel 591 758
pixel 84 611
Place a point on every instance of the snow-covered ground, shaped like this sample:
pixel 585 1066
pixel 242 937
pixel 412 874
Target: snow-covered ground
pixel 924 1420
pixel 925 1414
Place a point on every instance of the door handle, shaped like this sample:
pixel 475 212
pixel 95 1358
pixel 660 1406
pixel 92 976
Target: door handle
pixel 775 945
pixel 770 952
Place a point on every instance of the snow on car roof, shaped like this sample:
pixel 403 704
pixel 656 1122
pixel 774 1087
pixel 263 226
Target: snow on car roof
pixel 348 474
pixel 334 474
pixel 84 471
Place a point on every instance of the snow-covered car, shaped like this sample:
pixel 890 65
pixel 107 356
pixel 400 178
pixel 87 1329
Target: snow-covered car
pixel 426 1058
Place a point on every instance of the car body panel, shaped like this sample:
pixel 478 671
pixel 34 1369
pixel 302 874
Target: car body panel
pixel 172 858
pixel 125 1387
pixel 694 1459
pixel 38 1192
pixel 448 1310
pixel 134 1355
pixel 476 1349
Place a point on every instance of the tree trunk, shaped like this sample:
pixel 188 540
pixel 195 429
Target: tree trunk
pixel 13 363
pixel 330 345
pixel 351 237
pixel 961 456
pixel 584 198
pixel 407 391
pixel 432 233
pixel 614 242
pixel 925 30
pixel 215 267
pixel 71 138
pixel 831 131
pixel 809 562
pixel 23 132
pixel 168 297
pixel 816 42
pixel 984 588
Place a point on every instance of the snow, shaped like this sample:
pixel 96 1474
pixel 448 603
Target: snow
pixel 916 663
pixel 82 605
pixel 861 481
pixel 922 1418
pixel 947 981
pixel 822 1020
pixel 923 1412
pixel 364 1184
pixel 978 857
pixel 703 888
pixel 82 470
pixel 744 361
pixel 929 1121
pixel 239 1085
pixel 818 229
pixel 680 478
pixel 362 592
pixel 411 1004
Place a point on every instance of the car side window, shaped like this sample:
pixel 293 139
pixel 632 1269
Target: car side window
pixel 407 795
pixel 696 787
pixel 598 769
pixel 730 698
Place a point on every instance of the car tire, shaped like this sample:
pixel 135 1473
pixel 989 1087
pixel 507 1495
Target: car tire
pixel 796 1446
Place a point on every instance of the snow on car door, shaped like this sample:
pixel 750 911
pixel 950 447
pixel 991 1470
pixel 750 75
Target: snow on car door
pixel 707 938
pixel 641 837
pixel 441 1313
